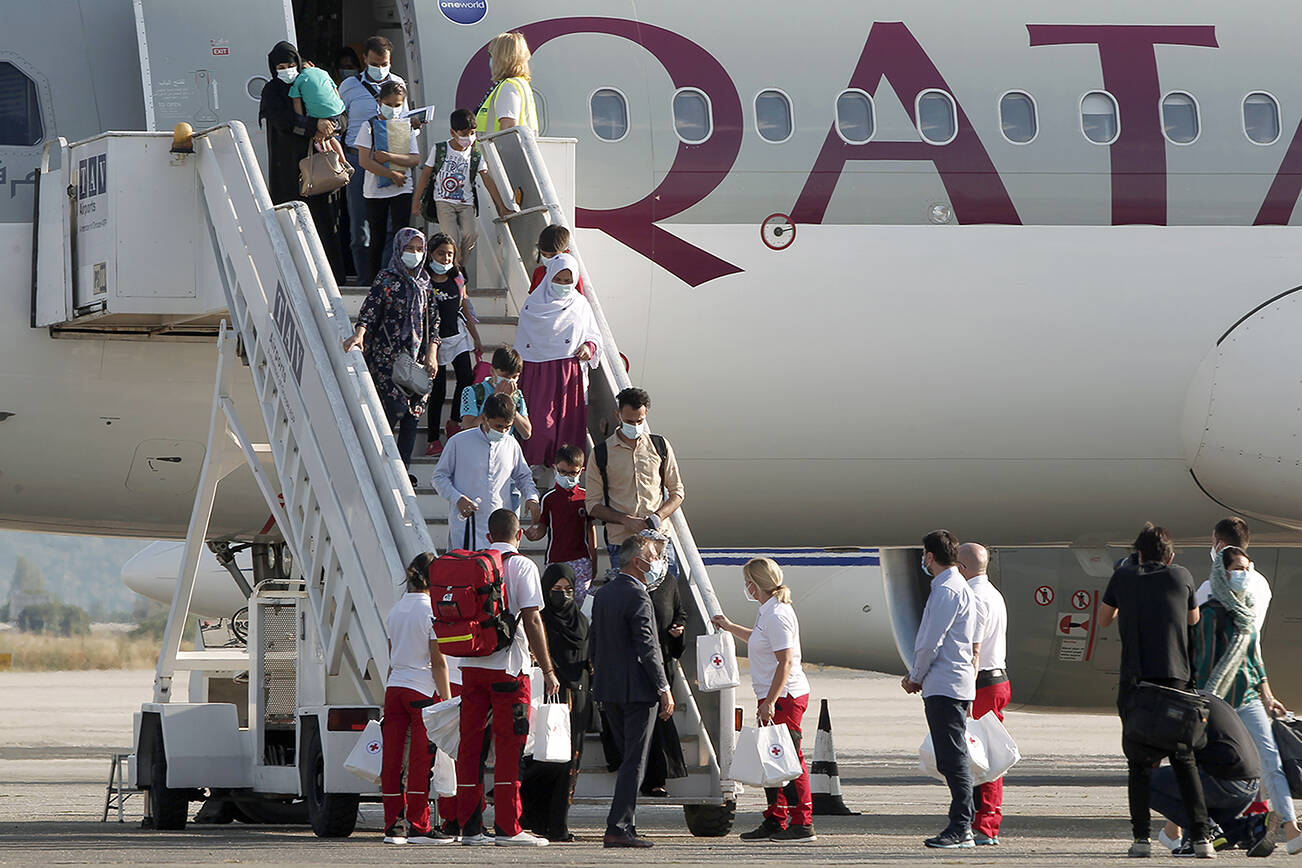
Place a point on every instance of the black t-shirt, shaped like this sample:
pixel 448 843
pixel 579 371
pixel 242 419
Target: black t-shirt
pixel 1231 754
pixel 1153 603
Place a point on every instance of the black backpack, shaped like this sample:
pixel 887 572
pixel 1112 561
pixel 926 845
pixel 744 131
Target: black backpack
pixel 601 454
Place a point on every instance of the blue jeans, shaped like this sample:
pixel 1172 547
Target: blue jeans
pixel 670 555
pixel 1225 800
pixel 1257 721
pixel 947 721
pixel 359 237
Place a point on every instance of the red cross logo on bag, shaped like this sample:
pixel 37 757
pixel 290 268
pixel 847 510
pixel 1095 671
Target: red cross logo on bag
pixel 776 751
pixel 716 661
pixel 373 747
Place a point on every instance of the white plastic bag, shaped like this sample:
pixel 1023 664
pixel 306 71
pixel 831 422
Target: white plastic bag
pixel 716 661
pixel 1001 751
pixel 443 724
pixel 443 776
pixel 535 699
pixel 976 754
pixel 551 742
pixel 764 756
pixel 367 756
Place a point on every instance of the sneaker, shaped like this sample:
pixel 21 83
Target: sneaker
pixel 1261 837
pixel 764 831
pixel 524 839
pixel 1294 846
pixel 1202 849
pixel 433 836
pixel 435 448
pixel 795 834
pixel 479 840
pixel 951 839
pixel 1140 848
pixel 1167 841
pixel 984 840
pixel 396 834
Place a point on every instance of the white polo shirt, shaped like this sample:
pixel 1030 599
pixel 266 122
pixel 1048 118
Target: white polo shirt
pixel 523 590
pixel 991 623
pixel 411 627
pixel 776 628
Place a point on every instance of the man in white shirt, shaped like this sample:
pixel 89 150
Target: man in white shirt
pixel 993 690
pixel 943 673
pixel 476 472
pixel 1233 531
pixel 500 682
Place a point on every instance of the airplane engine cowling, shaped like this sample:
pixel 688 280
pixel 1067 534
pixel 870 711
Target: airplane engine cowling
pixel 1242 426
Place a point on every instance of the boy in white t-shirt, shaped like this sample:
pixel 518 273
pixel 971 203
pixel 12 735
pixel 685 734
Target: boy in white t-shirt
pixel 388 151
pixel 446 192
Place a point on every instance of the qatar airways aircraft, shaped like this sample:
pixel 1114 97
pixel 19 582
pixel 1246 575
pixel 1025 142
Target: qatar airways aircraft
pixel 1025 272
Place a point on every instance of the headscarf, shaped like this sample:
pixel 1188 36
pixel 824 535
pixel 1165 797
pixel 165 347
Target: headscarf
pixel 553 326
pixel 566 626
pixel 1239 606
pixel 415 283
pixel 275 94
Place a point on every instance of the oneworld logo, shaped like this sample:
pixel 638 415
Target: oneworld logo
pixel 464 11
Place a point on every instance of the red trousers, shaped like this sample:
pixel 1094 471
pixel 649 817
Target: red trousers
pixel 508 697
pixel 793 799
pixel 402 717
pixel 988 799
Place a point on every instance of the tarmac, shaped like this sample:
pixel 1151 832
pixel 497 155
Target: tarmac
pixel 1065 803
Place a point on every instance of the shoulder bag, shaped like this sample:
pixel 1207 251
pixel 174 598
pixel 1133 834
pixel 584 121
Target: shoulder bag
pixel 322 172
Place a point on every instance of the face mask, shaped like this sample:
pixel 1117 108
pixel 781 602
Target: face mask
pixel 389 112
pixel 464 141
pixel 656 573
pixel 924 566
pixel 411 258
pixel 287 75
pixel 567 482
pixel 562 289
pixel 545 258
pixel 1214 554
pixel 495 436
pixel 632 430
pixel 749 596
pixel 378 73
pixel 440 268
pixel 1238 581
pixel 560 599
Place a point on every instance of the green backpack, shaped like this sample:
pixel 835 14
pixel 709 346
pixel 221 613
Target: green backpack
pixel 440 155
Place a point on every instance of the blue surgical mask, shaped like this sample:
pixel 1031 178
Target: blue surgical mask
pixel 567 482
pixel 495 436
pixel 562 289
pixel 390 112
pixel 411 258
pixel 1238 581
pixel 924 565
pixel 1214 554
pixel 377 73
pixel 440 268
pixel 287 75
pixel 632 430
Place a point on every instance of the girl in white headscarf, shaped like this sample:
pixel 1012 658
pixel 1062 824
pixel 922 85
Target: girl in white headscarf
pixel 557 337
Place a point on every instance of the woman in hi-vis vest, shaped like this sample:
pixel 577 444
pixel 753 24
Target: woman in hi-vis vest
pixel 510 102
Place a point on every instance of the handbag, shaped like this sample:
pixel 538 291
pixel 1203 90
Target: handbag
pixel 551 742
pixel 322 172
pixel 765 756
pixel 716 661
pixel 367 756
pixel 1165 718
pixel 411 376
pixel 1288 740
pixel 977 756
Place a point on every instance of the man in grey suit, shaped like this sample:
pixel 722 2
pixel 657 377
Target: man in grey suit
pixel 629 675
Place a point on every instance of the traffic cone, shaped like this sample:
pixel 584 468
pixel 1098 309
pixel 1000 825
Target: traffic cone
pixel 824 779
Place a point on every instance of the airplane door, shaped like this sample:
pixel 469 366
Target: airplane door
pixel 206 63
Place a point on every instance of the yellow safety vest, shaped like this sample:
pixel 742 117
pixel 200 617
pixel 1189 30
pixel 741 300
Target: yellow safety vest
pixel 486 120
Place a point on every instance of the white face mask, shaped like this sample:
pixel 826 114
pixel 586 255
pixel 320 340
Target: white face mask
pixel 1238 581
pixel 389 112
pixel 378 73
pixel 632 430
pixel 562 289
pixel 749 596
pixel 440 268
pixel 495 436
pixel 287 75
pixel 1215 552
pixel 412 258
pixel 567 482
pixel 464 141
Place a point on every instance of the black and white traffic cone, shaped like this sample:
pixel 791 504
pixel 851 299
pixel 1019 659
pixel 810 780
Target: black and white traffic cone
pixel 824 779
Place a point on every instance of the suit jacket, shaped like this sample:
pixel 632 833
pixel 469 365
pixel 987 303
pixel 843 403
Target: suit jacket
pixel 626 658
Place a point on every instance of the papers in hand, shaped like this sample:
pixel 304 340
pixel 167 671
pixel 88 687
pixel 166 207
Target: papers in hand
pixel 424 114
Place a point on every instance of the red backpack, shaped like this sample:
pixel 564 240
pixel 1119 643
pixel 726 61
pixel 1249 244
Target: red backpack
pixel 470 606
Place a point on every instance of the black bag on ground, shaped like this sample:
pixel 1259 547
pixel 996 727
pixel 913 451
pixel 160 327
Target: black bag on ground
pixel 1288 739
pixel 1165 718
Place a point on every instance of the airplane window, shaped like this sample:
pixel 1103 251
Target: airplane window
pixel 937 119
pixel 773 116
pixel 1261 118
pixel 855 121
pixel 20 108
pixel 1179 118
pixel 609 114
pixel 1017 117
pixel 1098 117
pixel 692 117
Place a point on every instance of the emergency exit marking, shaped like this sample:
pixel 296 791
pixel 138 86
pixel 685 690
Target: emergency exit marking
pixel 1043 595
pixel 1081 600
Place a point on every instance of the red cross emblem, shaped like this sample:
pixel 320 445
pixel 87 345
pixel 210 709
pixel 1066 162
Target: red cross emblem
pixel 373 747
pixel 717 661
pixel 776 751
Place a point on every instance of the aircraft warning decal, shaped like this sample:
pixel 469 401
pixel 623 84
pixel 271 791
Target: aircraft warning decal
pixel 1043 595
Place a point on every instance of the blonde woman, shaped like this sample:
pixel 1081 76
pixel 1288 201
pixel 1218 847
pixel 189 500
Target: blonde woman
pixel 510 102
pixel 773 647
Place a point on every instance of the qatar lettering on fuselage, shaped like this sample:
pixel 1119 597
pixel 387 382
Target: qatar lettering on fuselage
pixel 1127 56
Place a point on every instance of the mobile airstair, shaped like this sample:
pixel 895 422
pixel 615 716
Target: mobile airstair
pixel 345 517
